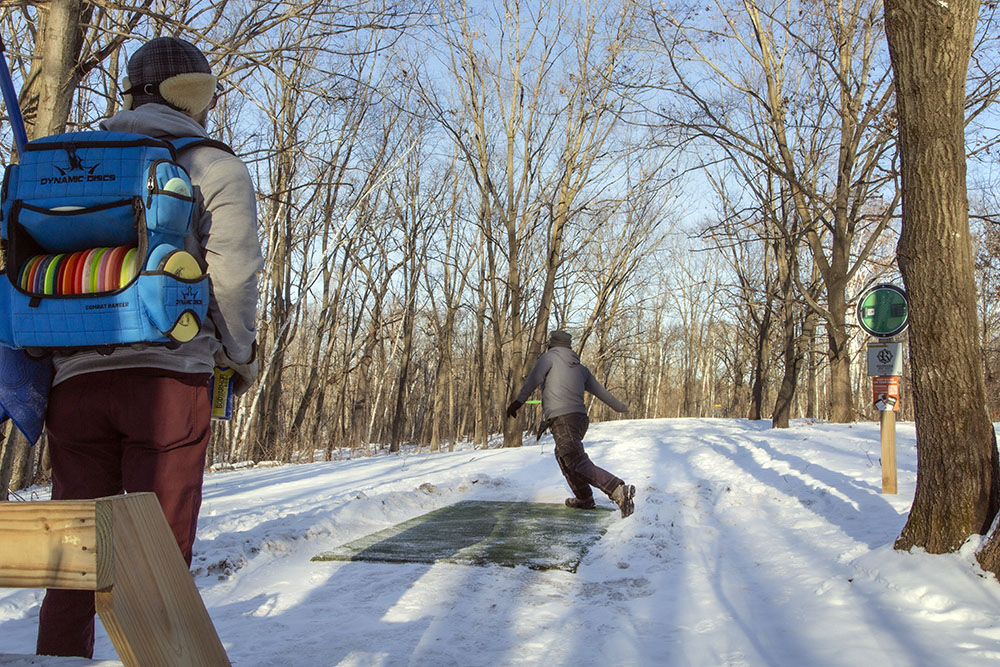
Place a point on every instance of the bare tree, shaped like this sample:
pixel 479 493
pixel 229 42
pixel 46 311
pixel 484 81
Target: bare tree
pixel 815 83
pixel 536 97
pixel 958 478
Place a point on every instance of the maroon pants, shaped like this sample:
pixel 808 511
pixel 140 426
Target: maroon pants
pixel 123 431
pixel 580 472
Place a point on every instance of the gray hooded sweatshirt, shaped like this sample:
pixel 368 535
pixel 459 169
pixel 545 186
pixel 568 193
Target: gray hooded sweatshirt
pixel 222 236
pixel 563 380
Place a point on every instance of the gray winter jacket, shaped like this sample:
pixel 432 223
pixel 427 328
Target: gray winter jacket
pixel 223 236
pixel 564 379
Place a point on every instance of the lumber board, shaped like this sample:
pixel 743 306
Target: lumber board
pixel 146 598
pixel 48 545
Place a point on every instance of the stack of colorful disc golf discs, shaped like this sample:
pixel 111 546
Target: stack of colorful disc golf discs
pixel 82 272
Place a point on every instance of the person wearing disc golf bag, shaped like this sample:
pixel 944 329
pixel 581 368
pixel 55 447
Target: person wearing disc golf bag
pixel 564 380
pixel 138 418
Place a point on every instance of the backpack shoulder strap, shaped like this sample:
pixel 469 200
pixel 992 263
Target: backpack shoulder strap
pixel 184 143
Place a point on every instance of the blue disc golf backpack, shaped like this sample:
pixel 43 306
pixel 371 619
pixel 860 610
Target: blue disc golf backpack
pixel 94 225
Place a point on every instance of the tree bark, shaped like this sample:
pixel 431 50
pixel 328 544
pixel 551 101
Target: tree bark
pixel 10 442
pixel 762 353
pixel 957 490
pixel 55 74
pixel 789 339
pixel 841 401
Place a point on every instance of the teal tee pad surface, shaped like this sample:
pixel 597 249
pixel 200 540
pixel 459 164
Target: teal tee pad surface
pixel 510 534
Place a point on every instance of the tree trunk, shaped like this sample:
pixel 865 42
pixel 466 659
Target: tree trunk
pixel 481 437
pixel 841 396
pixel 809 352
pixel 10 442
pixel 402 389
pixel 23 473
pixel 56 73
pixel 792 357
pixel 762 352
pixel 957 475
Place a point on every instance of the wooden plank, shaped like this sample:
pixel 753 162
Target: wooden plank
pixel 888 435
pixel 146 598
pixel 48 545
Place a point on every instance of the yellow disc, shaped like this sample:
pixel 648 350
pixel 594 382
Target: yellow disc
pixel 181 264
pixel 185 328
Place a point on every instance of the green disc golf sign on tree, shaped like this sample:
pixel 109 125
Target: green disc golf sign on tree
pixel 883 311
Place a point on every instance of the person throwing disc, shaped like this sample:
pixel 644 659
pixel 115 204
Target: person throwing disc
pixel 564 379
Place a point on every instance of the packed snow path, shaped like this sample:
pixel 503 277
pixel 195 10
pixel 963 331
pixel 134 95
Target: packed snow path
pixel 748 546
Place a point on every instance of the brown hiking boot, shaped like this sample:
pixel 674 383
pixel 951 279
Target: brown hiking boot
pixel 622 496
pixel 581 504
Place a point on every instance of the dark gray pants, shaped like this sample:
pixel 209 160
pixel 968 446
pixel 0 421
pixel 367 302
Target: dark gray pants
pixel 580 472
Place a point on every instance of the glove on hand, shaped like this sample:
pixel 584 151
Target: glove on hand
pixel 513 408
pixel 245 373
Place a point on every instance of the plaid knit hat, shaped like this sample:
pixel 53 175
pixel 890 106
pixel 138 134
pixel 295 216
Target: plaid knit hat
pixel 559 338
pixel 170 71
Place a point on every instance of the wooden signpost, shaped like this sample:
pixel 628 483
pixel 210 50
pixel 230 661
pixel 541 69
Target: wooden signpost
pixel 884 312
pixel 885 390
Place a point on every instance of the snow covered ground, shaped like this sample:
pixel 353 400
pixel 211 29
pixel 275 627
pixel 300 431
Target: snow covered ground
pixel 749 546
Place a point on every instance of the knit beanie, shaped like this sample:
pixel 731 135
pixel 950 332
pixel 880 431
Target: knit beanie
pixel 170 71
pixel 560 338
